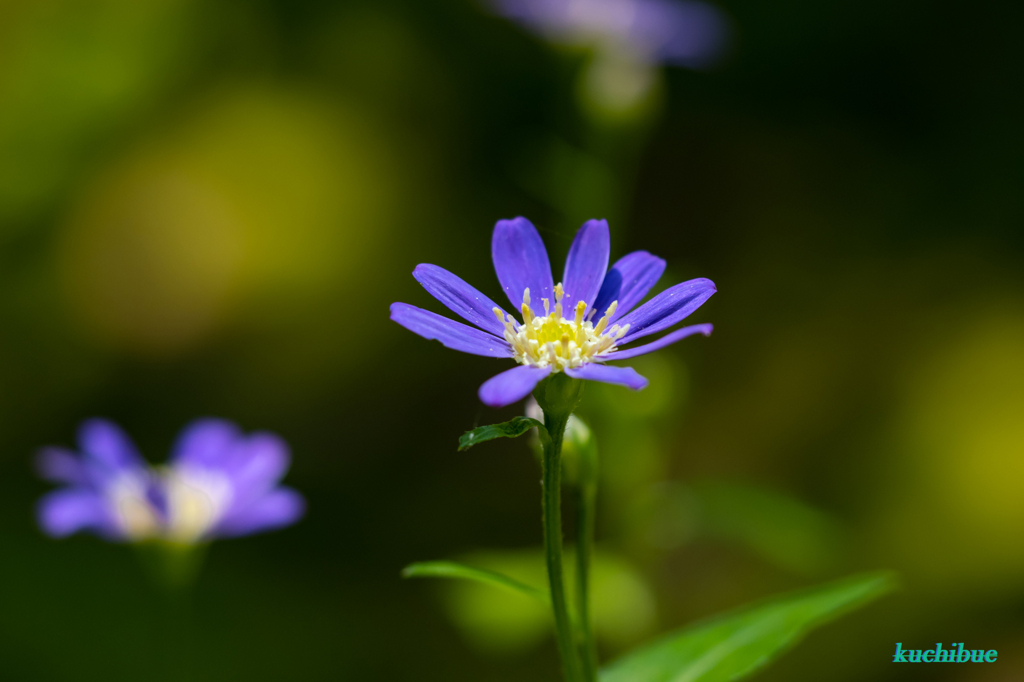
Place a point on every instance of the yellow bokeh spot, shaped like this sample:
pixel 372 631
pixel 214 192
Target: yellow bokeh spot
pixel 258 200
pixel 958 500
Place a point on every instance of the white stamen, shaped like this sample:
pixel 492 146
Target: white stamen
pixel 554 341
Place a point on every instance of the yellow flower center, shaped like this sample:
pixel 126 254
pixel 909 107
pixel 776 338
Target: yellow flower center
pixel 550 340
pixel 196 500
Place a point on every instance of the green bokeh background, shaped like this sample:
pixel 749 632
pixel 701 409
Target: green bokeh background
pixel 206 208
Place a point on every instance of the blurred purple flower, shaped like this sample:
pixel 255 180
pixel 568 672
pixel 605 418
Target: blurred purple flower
pixel 219 483
pixel 683 32
pixel 544 344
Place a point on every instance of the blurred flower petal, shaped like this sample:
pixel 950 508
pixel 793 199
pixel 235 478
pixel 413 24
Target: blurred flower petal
pixel 64 512
pixel 683 32
pixel 205 441
pixel 104 442
pixel 61 466
pixel 217 478
pixel 257 464
pixel 280 508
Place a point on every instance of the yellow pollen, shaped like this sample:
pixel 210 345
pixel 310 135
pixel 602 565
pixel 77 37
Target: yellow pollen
pixel 554 341
pixel 559 293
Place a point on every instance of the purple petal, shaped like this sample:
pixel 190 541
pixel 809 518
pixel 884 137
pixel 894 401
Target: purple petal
pixel 459 297
pixel 623 376
pixel 533 13
pixel 628 282
pixel 256 466
pixel 683 32
pixel 511 385
pixel 64 512
pixel 521 261
pixel 667 308
pixel 692 34
pixel 155 494
pixel 104 442
pixel 586 265
pixel 451 334
pixel 279 508
pixel 205 442
pixel 666 340
pixel 62 466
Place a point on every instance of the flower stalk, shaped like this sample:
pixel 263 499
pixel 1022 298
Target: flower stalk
pixel 552 517
pixel 558 396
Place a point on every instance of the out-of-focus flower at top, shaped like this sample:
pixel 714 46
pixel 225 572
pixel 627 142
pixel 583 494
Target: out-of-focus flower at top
pixel 218 483
pixel 583 322
pixel 681 32
pixel 628 37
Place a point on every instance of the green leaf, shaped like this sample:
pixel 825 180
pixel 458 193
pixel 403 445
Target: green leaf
pixel 502 623
pixel 451 569
pixel 732 646
pixel 510 429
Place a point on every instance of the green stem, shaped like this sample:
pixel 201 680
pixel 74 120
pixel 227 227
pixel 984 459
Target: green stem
pixel 552 513
pixel 586 502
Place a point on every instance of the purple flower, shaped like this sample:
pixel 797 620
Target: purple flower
pixel 583 324
pixel 218 483
pixel 686 33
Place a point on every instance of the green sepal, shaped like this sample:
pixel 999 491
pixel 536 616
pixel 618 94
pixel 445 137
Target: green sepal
pixel 173 566
pixel 558 395
pixel 452 569
pixel 514 428
pixel 733 646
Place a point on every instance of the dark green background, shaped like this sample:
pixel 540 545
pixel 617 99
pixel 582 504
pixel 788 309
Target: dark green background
pixel 850 177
